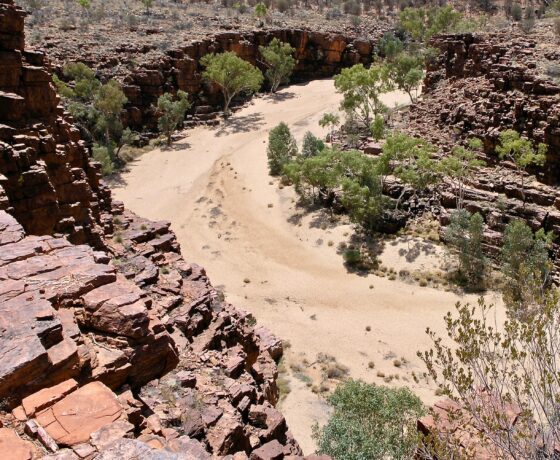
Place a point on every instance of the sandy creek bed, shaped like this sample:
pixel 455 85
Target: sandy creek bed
pixel 234 220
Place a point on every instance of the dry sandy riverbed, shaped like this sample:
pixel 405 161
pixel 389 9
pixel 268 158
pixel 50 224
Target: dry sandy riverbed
pixel 233 219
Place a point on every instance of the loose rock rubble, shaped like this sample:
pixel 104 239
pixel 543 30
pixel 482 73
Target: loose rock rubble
pixel 111 344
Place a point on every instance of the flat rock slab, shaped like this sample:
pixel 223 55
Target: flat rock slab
pixel 12 447
pixel 73 419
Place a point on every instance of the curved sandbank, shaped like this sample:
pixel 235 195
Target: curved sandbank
pixel 275 260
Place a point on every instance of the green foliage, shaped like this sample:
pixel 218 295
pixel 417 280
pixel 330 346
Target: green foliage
pixel 85 4
pixel 109 102
pixel 389 46
pixel 260 10
pixel 352 257
pixel 370 422
pixel 279 59
pixel 460 166
pixel 377 127
pixel 494 369
pixel 409 159
pixel 329 120
pixel 282 148
pixel 232 74
pixel 516 12
pixel 525 264
pixel 172 112
pixel 85 83
pixel 521 152
pixel 96 108
pixel 148 4
pixel 406 70
pixel 351 173
pixel 465 234
pixel 361 89
pixel 102 155
pixel 312 145
pixel 423 23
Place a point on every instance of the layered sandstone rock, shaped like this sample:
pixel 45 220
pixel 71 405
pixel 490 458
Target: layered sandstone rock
pixel 318 54
pixel 480 85
pixel 49 183
pixel 111 344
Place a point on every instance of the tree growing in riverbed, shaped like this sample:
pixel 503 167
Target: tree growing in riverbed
pixel 172 112
pixel 282 148
pixel 278 57
pixel 232 74
pixel 330 121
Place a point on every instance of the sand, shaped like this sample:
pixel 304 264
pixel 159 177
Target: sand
pixel 280 262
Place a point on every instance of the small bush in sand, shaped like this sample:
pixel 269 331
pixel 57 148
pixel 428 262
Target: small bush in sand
pixel 397 363
pixel 246 280
pixel 337 371
pixel 352 257
pixel 371 365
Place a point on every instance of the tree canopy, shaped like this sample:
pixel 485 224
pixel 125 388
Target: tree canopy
pixel 278 57
pixel 232 74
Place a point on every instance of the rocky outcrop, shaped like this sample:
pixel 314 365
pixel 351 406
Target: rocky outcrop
pixel 318 54
pixel 111 344
pixel 480 85
pixel 49 183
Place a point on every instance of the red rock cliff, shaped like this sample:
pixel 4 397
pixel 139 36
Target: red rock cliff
pixel 111 344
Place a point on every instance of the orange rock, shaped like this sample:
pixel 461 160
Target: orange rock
pixel 47 397
pixel 12 447
pixel 73 419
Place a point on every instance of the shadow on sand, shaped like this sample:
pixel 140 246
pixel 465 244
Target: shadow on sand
pixel 239 124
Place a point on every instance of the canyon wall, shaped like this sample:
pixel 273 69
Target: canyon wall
pixel 318 54
pixel 480 85
pixel 112 345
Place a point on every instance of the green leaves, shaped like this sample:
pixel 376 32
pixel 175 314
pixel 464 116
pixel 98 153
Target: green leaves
pixel 406 71
pixel 423 23
pixel 361 89
pixel 232 74
pixel 465 235
pixel 279 59
pixel 520 150
pixel 525 264
pixel 282 148
pixel 370 422
pixel 172 112
pixel 410 160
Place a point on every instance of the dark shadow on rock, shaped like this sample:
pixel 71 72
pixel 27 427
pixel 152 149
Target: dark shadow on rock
pixel 239 124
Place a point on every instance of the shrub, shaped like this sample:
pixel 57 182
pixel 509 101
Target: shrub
pixel 525 264
pixel 280 62
pixel 464 234
pixel 352 7
pixel 312 145
pixel 232 74
pixel 172 112
pixel 352 257
pixel 281 148
pixel 516 12
pixel 370 422
pixel 493 371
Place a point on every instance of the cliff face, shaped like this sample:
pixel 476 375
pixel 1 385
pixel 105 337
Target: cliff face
pixel 49 184
pixel 112 345
pixel 483 84
pixel 319 55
